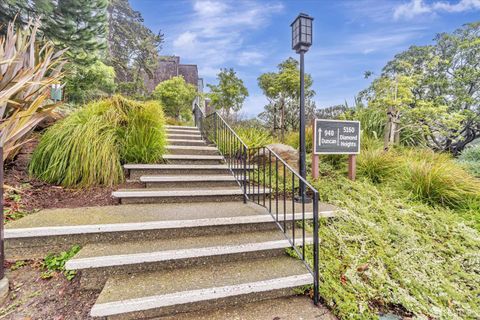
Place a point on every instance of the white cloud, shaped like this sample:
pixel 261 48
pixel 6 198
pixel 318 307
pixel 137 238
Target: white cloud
pixel 185 40
pixel 411 9
pixel 463 5
pixel 218 31
pixel 250 58
pixel 416 8
pixel 209 8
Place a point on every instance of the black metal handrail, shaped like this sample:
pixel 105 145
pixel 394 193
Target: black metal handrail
pixel 274 185
pixel 233 149
pixel 264 177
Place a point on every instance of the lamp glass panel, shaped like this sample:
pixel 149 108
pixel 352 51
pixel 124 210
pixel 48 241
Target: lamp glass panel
pixel 304 37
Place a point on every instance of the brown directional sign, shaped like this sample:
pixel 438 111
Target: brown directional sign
pixel 336 137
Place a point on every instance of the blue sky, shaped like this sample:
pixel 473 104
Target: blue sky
pixel 253 36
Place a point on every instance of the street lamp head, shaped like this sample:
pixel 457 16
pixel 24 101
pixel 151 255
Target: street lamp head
pixel 302 33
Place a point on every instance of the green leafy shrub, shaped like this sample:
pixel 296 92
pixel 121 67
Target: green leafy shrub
pixel 437 180
pixel 470 159
pixel 56 263
pixel 86 83
pixel 88 147
pixel 176 96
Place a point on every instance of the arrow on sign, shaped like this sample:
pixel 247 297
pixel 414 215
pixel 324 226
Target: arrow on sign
pixel 319 136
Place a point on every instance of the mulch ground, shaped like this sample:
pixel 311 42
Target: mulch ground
pixel 32 297
pixel 35 194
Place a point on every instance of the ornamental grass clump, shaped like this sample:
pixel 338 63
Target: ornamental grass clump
pixel 437 180
pixel 376 165
pixel 88 147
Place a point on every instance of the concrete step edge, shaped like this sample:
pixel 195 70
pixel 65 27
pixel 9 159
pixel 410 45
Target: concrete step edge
pixel 192 296
pixel 168 126
pixel 177 254
pixel 175 147
pixel 191 157
pixel 136 193
pixel 180 166
pixel 150 225
pixel 186 140
pixel 187 131
pixel 185 135
pixel 187 178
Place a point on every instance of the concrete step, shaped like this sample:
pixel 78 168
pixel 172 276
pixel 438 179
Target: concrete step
pixel 129 196
pixel 186 142
pixel 193 150
pixel 189 181
pixel 189 136
pixel 183 131
pixel 135 171
pixel 100 260
pixel 161 293
pixel 56 230
pixel 192 159
pixel 180 127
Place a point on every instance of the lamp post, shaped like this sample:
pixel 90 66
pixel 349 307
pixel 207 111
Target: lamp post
pixel 301 42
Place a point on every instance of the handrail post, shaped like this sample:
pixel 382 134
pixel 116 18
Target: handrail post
pixel 316 281
pixel 215 127
pixel 245 155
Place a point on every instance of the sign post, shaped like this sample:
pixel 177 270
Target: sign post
pixel 336 137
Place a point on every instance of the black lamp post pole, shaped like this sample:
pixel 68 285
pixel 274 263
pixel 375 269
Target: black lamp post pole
pixel 303 151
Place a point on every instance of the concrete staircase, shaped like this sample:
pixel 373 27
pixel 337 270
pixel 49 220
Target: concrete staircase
pixel 183 243
pixel 194 171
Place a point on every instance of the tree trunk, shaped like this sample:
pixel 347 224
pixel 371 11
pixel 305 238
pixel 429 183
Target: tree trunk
pixel 283 122
pixel 392 132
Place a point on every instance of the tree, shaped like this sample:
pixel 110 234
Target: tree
pixel 77 25
pixel 80 26
pixel 230 93
pixel 132 47
pixel 282 89
pixel 90 82
pixel 176 97
pixel 445 85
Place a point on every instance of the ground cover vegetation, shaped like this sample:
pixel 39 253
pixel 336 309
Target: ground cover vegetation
pixel 88 147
